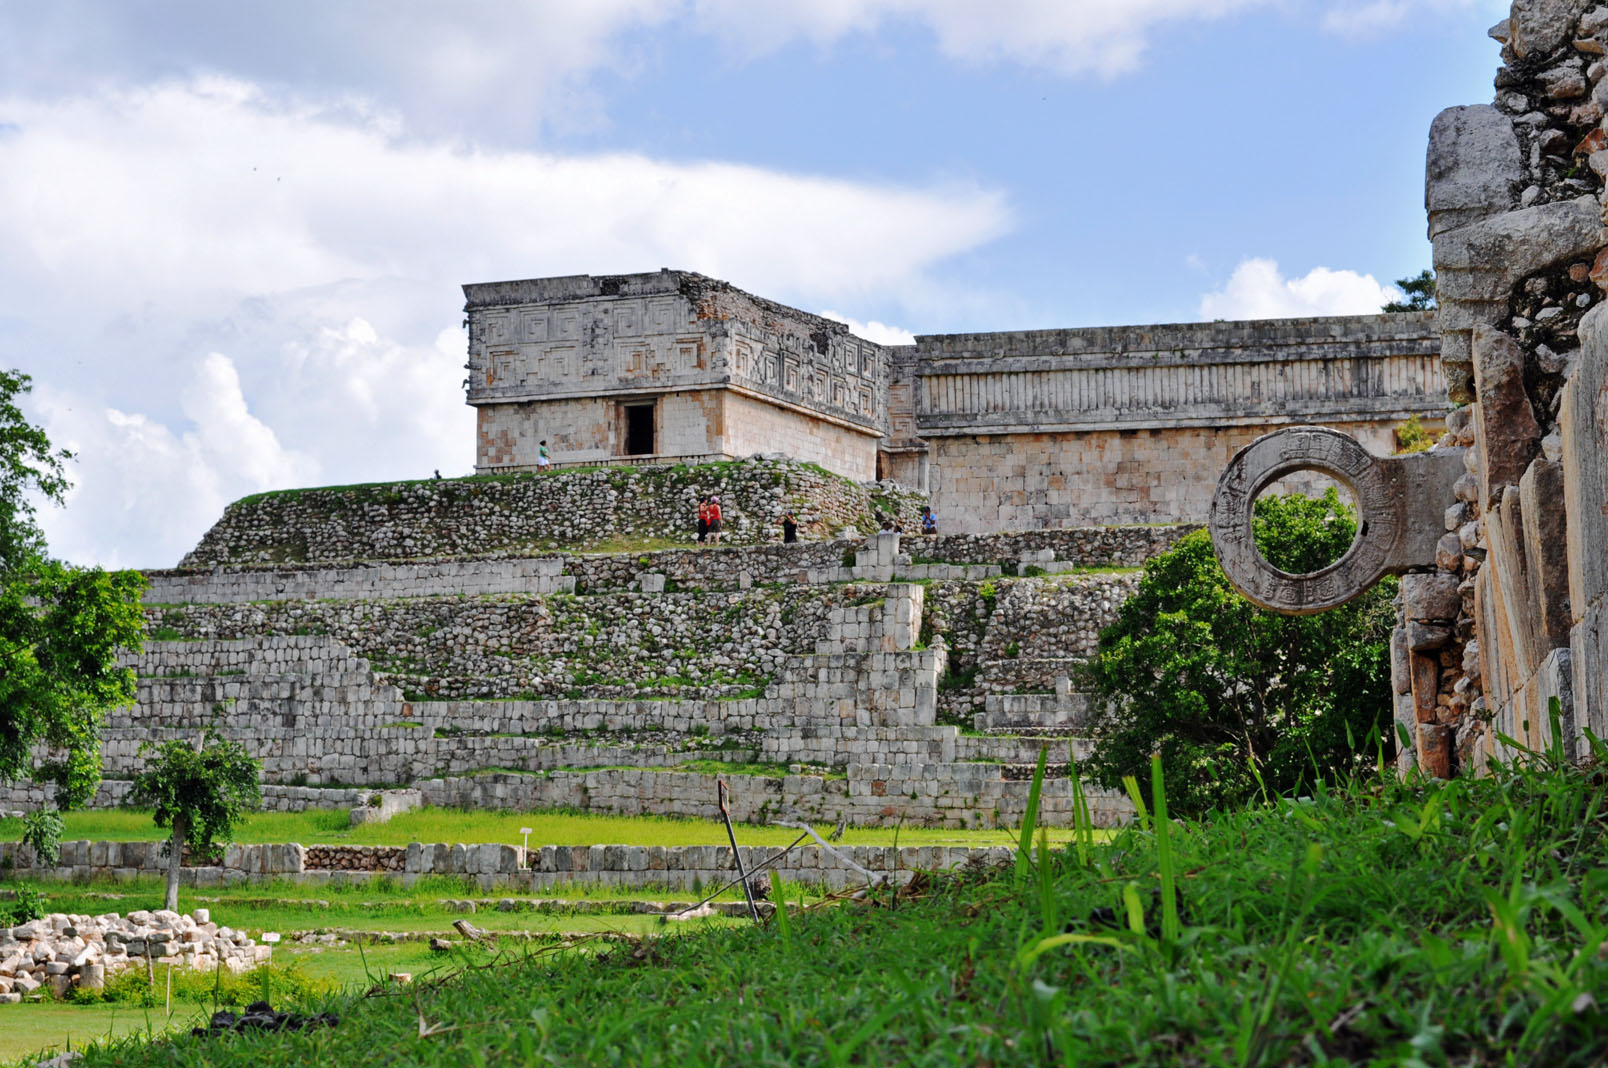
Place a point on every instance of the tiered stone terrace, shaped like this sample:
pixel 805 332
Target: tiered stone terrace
pixel 818 677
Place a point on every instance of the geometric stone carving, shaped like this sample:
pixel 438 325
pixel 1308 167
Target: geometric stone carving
pixel 1400 500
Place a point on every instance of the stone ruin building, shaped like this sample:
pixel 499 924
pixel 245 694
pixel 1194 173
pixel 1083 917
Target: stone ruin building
pixel 445 641
pixel 1502 612
pixel 1005 431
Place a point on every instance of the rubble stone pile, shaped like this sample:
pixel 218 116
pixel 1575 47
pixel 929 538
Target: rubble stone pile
pixel 62 950
pixel 356 858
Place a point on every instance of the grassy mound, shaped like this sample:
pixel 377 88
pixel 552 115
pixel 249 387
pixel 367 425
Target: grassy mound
pixel 1420 923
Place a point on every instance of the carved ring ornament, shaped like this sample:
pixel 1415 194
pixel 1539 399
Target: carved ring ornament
pixel 1399 500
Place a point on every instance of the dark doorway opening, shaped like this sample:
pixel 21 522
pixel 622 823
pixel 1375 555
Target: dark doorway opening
pixel 639 429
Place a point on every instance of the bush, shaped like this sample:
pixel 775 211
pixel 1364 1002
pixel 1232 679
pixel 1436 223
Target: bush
pixel 25 905
pixel 221 987
pixel 1242 702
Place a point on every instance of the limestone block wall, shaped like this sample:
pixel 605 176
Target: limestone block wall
pixel 946 557
pixel 623 645
pixel 1132 424
pixel 1512 619
pixel 518 513
pixel 560 355
pixel 531 575
pixel 939 795
pixel 754 426
pixel 495 866
pixel 576 429
pixel 1087 478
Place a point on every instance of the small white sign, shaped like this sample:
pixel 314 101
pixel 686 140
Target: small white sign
pixel 524 830
pixel 270 937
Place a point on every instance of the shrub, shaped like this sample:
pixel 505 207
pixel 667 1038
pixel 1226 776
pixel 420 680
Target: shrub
pixel 25 905
pixel 1240 701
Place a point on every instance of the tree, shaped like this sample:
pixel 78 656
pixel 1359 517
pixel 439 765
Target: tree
pixel 1238 700
pixel 1420 293
pixel 61 628
pixel 200 792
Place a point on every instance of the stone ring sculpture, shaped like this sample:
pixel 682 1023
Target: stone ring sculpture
pixel 1399 501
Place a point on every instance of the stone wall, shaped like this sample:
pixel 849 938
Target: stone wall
pixel 929 795
pixel 510 868
pixel 469 578
pixel 709 568
pixel 521 513
pixel 1063 479
pixel 1512 620
pixel 751 425
pixel 1058 428
pixel 842 680
pixel 720 643
pixel 559 358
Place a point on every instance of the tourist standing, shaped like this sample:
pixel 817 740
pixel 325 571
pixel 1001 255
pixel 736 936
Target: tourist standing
pixel 789 528
pixel 542 459
pixel 714 520
pixel 703 519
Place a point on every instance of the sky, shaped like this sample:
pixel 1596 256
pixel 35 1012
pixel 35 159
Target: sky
pixel 232 235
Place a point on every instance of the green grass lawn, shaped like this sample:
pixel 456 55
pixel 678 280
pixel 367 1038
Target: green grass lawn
pixel 383 905
pixel 36 1027
pixel 1455 923
pixel 26 1030
pixel 548 828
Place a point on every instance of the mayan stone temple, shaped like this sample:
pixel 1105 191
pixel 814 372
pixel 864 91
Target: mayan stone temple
pixel 542 634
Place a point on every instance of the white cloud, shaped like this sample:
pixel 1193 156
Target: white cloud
pixel 1105 37
pixel 494 68
pixel 145 480
pixel 1257 290
pixel 1359 18
pixel 881 333
pixel 143 232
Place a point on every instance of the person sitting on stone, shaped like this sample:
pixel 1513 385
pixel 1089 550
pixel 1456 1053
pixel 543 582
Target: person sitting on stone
pixel 929 522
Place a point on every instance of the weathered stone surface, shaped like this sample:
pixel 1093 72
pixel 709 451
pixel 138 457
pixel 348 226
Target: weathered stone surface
pixel 1430 596
pixel 1508 434
pixel 1546 548
pixel 1478 264
pixel 1472 169
pixel 1583 426
pixel 1537 27
pixel 1485 259
pixel 1400 500
pixel 1435 750
pixel 1427 637
pixel 1588 651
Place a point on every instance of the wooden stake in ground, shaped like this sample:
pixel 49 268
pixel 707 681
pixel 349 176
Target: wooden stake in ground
pixel 737 858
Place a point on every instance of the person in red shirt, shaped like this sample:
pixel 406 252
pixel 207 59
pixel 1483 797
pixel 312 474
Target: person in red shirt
pixel 703 519
pixel 714 520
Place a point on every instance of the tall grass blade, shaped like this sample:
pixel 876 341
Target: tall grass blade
pixel 1141 814
pixel 1164 858
pixel 784 923
pixel 1082 819
pixel 1024 849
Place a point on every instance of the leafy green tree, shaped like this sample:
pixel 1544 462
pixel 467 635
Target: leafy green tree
pixel 1238 700
pixel 61 628
pixel 200 792
pixel 1419 291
